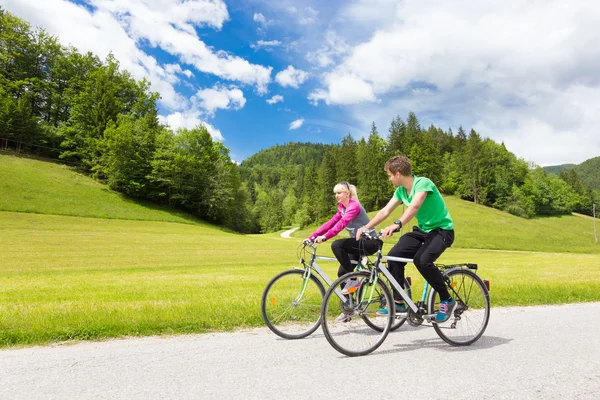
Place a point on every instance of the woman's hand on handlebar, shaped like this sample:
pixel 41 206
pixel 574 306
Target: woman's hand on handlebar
pixel 320 239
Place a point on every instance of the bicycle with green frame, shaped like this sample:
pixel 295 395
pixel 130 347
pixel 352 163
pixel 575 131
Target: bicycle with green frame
pixel 291 301
pixel 364 329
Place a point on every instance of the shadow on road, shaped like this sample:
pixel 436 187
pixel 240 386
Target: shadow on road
pixel 485 342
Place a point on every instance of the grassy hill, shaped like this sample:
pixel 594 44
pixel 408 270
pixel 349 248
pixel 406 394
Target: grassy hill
pixel 115 268
pixel 30 185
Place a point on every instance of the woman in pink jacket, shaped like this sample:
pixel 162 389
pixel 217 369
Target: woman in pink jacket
pixel 351 216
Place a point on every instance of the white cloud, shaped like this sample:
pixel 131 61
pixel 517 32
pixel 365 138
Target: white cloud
pixel 121 26
pixel 519 72
pixel 219 97
pixel 305 16
pixel 189 120
pixel 267 44
pixel 174 69
pixel 366 14
pixel 296 124
pixel 258 17
pixel 291 77
pixel 333 48
pixel 275 99
pixel 343 89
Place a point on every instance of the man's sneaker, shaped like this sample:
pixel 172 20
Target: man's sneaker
pixel 445 311
pixel 352 286
pixel 400 308
pixel 343 318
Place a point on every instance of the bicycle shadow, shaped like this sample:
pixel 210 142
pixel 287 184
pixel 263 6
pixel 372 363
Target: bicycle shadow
pixel 485 342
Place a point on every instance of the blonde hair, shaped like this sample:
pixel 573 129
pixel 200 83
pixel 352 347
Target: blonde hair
pixel 346 187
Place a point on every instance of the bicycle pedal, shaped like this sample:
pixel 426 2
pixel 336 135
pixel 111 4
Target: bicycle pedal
pixel 429 317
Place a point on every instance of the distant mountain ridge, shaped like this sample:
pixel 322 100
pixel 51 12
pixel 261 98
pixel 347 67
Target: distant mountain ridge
pixel 293 153
pixel 557 169
pixel 588 171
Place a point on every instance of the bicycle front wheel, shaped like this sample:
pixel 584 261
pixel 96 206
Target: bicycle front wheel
pixel 472 312
pixel 349 319
pixel 291 304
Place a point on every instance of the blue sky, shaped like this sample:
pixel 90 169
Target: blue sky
pixel 259 73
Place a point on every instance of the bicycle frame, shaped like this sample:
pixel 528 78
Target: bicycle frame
pixel 313 265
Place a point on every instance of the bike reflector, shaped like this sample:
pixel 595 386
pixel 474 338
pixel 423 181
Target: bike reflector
pixel 409 279
pixel 487 284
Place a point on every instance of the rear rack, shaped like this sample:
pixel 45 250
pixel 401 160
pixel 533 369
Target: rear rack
pixel 462 265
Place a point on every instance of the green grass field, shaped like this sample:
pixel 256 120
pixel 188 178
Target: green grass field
pixel 146 271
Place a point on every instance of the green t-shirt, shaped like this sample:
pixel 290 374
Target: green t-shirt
pixel 433 213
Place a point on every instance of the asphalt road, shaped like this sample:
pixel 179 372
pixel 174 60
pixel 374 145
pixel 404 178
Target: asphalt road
pixel 526 353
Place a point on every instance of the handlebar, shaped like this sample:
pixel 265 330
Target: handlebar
pixel 368 235
pixel 309 243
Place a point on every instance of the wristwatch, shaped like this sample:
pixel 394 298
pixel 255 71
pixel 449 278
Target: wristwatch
pixel 399 223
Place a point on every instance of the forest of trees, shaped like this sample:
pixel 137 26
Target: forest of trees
pixel 89 113
pixel 293 183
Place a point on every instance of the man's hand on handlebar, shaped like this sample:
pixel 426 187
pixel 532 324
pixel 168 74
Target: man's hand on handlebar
pixel 388 231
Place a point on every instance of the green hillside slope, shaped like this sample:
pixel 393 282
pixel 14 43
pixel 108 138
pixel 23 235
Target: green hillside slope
pixel 589 171
pixel 35 186
pixel 557 169
pixel 28 185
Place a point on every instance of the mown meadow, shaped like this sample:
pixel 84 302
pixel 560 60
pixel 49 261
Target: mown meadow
pixel 78 261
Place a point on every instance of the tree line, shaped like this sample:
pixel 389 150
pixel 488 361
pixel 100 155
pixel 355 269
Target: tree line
pixel 59 103
pixel 293 183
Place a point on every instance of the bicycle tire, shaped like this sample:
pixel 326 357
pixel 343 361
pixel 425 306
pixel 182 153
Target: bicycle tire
pixel 472 313
pixel 284 312
pixel 354 337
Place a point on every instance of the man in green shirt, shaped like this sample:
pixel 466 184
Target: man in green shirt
pixel 427 241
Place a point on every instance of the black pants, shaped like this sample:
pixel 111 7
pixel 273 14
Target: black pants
pixel 346 250
pixel 424 249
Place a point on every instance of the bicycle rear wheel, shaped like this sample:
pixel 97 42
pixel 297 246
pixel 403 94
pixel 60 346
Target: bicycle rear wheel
pixel 344 317
pixel 289 311
pixel 472 312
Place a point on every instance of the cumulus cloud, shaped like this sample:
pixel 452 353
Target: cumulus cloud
pixel 266 44
pixel 219 97
pixel 297 124
pixel 189 120
pixel 258 17
pixel 343 89
pixel 513 71
pixel 275 99
pixel 122 26
pixel 291 77
pixel 332 49
pixel 304 16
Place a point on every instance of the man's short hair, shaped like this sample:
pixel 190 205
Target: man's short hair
pixel 399 164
